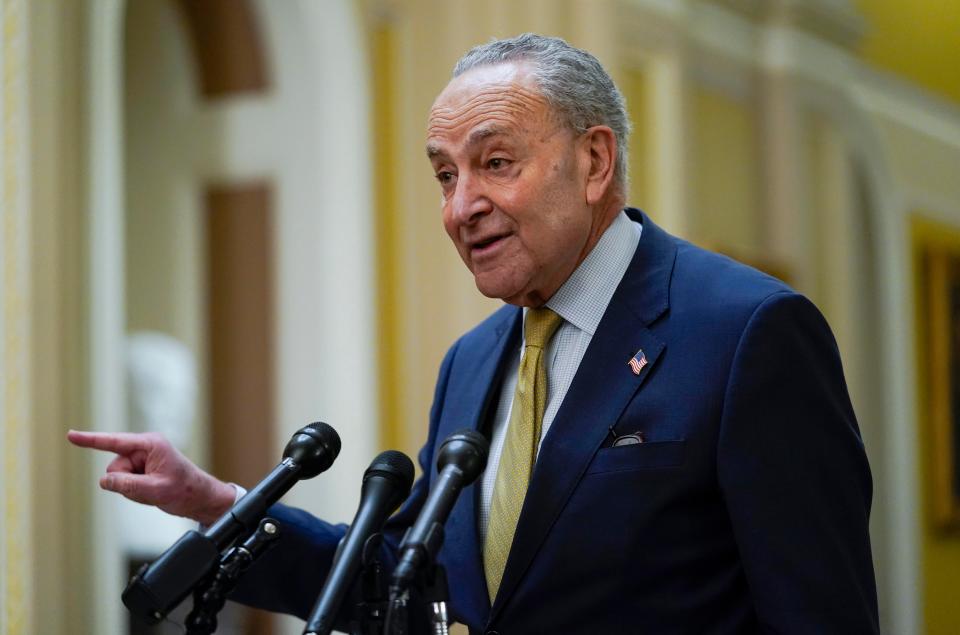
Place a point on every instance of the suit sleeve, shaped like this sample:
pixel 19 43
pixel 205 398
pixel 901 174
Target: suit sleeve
pixel 794 475
pixel 288 578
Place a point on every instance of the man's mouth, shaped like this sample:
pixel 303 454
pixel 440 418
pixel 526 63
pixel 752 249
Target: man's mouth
pixel 487 246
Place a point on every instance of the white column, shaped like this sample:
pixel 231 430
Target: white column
pixel 106 290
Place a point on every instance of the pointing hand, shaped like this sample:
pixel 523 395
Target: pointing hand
pixel 149 470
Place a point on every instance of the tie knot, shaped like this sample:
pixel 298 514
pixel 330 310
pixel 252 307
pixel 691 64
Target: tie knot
pixel 539 326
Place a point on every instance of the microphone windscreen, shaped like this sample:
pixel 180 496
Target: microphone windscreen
pixel 467 449
pixel 314 447
pixel 393 464
pixel 397 468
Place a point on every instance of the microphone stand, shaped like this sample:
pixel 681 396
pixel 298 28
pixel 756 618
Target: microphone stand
pixel 432 589
pixel 460 460
pixel 209 597
pixel 372 606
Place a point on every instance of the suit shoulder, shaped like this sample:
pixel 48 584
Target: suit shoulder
pixel 708 281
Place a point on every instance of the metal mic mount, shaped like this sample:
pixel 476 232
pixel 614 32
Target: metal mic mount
pixel 210 596
pixel 434 592
pixel 437 593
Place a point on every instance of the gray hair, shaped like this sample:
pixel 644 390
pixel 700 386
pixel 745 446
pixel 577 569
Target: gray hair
pixel 571 80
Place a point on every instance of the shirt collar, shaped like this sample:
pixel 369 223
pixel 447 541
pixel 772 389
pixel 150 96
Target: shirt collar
pixel 583 298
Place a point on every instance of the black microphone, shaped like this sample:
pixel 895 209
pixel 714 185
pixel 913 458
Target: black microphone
pixel 461 459
pixel 386 484
pixel 159 587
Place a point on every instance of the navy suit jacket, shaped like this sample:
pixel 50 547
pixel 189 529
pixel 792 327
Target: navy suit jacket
pixel 744 511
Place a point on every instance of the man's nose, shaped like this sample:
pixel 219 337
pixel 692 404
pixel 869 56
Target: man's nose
pixel 470 199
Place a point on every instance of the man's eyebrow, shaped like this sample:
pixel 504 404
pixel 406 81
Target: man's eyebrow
pixel 481 134
pixel 476 137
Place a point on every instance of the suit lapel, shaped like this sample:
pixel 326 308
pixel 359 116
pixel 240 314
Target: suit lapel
pixel 474 395
pixel 600 391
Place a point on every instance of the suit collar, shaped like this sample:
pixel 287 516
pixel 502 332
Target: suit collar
pixel 646 286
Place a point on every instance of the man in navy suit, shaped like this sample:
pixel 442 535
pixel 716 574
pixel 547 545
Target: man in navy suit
pixel 696 464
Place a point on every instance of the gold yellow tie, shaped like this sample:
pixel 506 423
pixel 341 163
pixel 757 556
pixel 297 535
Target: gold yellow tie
pixel 520 446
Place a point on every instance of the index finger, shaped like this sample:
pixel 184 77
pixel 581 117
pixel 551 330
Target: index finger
pixel 119 442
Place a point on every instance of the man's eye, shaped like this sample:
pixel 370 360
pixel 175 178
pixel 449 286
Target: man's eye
pixel 496 164
pixel 444 177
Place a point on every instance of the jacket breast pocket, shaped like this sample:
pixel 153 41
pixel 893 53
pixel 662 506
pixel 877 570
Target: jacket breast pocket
pixel 641 456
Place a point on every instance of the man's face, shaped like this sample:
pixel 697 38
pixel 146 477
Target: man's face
pixel 513 180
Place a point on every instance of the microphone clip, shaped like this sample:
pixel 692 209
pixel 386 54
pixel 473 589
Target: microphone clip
pixel 210 596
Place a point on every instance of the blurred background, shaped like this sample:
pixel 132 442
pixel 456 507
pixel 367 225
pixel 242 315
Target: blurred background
pixel 218 222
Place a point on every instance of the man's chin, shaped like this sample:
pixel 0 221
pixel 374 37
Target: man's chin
pixel 502 290
pixel 492 287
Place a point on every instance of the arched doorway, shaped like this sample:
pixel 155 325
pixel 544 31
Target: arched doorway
pixel 229 204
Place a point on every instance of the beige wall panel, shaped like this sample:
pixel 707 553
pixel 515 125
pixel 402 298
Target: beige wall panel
pixel 549 17
pixel 837 239
pixel 784 195
pixel 503 14
pixel 17 546
pixel 61 568
pixel 669 138
pixel 725 201
pixel 478 22
pixel 635 87
pixel 593 24
pixel 925 166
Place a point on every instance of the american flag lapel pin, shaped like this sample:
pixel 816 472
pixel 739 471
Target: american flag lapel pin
pixel 637 362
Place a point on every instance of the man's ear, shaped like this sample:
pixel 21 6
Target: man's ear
pixel 601 144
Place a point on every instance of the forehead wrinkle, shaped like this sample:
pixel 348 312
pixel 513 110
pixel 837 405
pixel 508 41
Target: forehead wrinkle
pixel 490 100
pixel 512 93
pixel 507 104
pixel 485 125
pixel 494 120
pixel 493 108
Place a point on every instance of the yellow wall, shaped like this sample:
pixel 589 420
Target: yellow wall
pixel 60 557
pixel 726 168
pixel 635 88
pixel 15 350
pixel 918 40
